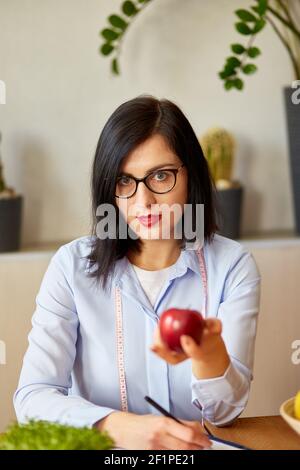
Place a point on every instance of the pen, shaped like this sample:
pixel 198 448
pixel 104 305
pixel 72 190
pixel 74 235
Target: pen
pixel 169 415
pixel 210 435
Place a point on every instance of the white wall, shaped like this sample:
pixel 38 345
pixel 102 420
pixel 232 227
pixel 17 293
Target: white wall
pixel 60 93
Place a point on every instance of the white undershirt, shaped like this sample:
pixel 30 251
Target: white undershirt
pixel 152 281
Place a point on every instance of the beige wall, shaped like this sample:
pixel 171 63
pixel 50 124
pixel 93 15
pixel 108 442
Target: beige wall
pixel 20 277
pixel 276 378
pixel 60 93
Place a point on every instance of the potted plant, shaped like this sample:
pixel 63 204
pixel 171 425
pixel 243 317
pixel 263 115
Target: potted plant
pixel 283 16
pixel 10 215
pixel 44 435
pixel 219 149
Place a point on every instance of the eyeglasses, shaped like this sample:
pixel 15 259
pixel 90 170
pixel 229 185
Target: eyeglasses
pixel 158 181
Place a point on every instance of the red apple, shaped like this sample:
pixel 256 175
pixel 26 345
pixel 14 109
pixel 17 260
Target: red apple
pixel 176 322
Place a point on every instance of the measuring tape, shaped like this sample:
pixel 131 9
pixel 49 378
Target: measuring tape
pixel 119 329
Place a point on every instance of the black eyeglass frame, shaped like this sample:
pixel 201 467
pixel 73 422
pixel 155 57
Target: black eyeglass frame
pixel 144 180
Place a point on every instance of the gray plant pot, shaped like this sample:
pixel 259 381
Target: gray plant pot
pixel 229 203
pixel 10 223
pixel 293 128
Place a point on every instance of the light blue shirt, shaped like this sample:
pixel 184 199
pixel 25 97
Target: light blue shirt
pixel 70 372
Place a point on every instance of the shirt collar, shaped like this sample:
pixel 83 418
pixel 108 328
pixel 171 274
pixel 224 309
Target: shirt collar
pixel 190 260
pixel 187 259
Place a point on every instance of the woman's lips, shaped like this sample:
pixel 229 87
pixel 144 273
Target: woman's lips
pixel 149 220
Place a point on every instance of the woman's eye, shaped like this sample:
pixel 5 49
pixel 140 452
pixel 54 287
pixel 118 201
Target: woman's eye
pixel 124 180
pixel 160 175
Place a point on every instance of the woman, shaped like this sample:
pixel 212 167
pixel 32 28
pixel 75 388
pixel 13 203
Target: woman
pixel 95 349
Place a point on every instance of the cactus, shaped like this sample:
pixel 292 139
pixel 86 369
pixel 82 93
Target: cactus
pixel 218 146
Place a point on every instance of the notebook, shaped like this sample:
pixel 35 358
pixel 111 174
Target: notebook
pixel 221 444
pixel 217 444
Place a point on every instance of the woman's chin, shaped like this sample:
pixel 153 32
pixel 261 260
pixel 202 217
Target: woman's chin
pixel 151 232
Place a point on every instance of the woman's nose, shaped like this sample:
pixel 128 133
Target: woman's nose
pixel 144 195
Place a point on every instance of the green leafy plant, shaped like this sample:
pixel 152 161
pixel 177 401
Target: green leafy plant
pixel 279 14
pixel 43 435
pixel 117 25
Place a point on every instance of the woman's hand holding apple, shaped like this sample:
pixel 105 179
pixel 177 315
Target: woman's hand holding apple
pixel 208 353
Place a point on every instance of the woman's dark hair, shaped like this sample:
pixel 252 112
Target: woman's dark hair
pixel 132 123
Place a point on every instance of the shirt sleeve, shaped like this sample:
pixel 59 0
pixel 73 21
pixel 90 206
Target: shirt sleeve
pixel 222 399
pixel 45 378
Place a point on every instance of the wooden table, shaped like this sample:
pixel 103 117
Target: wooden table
pixel 263 433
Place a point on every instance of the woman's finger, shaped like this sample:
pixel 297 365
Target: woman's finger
pixel 173 443
pixel 191 424
pixel 157 338
pixel 189 345
pixel 191 434
pixel 213 326
pixel 170 356
pixel 159 348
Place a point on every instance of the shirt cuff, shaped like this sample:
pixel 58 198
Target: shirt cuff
pixel 96 415
pixel 228 388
